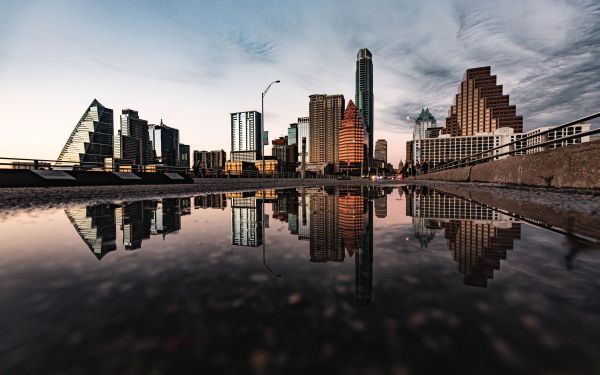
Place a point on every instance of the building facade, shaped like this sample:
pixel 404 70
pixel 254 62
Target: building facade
pixel 381 150
pixel 445 148
pixel 184 156
pixel 165 145
pixel 246 128
pixel 353 141
pixel 91 142
pixel 480 106
pixel 210 159
pixel 303 132
pixel 132 142
pixel 325 118
pixel 364 91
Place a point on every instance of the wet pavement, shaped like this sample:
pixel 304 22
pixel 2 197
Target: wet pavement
pixel 307 280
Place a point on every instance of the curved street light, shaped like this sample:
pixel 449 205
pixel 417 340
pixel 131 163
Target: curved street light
pixel 262 124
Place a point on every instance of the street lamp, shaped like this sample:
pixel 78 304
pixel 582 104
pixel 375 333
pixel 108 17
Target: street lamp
pixel 262 124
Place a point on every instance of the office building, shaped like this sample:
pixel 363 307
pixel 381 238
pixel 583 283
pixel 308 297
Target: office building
pixel 165 145
pixel 426 126
pixel 364 92
pixel 381 150
pixel 293 134
pixel 303 132
pixel 446 148
pixel 210 159
pixel 132 142
pixel 246 144
pixel 353 141
pixel 91 142
pixel 325 116
pixel 184 156
pixel 480 106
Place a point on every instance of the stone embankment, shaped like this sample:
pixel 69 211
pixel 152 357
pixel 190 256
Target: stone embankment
pixel 574 166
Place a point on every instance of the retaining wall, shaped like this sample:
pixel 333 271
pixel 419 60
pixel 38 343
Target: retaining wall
pixel 574 166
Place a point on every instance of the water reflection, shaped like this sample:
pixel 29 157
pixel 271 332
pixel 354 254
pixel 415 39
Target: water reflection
pixel 337 222
pixel 478 237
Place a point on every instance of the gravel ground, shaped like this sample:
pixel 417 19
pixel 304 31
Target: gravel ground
pixel 31 198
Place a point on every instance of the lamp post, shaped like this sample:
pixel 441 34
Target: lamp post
pixel 262 124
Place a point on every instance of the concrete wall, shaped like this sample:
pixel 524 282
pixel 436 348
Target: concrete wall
pixel 575 166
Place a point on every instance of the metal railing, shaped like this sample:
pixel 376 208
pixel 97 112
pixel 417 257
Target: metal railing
pixel 486 155
pixel 58 165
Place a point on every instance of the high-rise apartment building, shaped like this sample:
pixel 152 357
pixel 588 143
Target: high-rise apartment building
pixel 165 144
pixel 92 139
pixel 325 117
pixel 246 144
pixel 480 106
pixel 303 132
pixel 353 140
pixel 364 91
pixel 381 150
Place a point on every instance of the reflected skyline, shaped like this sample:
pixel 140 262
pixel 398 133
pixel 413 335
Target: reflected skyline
pixel 336 222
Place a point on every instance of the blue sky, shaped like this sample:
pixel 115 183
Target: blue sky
pixel 192 63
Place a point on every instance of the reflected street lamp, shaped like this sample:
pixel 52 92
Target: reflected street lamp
pixel 262 124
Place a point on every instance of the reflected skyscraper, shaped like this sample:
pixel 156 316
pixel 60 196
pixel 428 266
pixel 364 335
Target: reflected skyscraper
pixel 304 214
pixel 91 142
pixel 381 207
pixel 364 259
pixel 96 227
pixel 167 216
pixel 211 201
pixel 136 223
pixel 325 241
pixel 246 221
pixel 478 248
pixel 478 237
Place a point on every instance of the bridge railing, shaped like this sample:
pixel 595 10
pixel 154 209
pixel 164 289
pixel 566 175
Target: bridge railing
pixel 127 166
pixel 516 146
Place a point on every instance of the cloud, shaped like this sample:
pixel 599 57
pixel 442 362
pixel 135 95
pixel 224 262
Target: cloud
pixel 544 52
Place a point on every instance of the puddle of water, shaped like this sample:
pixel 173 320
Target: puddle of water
pixel 335 279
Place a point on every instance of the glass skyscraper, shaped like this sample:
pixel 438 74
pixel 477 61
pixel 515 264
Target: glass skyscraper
pixel 303 132
pixel 245 136
pixel 165 143
pixel 364 91
pixel 132 143
pixel 92 139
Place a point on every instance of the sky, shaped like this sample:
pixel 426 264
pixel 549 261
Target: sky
pixel 192 63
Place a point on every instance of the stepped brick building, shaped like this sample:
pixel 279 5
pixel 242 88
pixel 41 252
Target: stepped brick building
pixel 480 106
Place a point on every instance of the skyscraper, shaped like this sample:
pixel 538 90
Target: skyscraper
pixel 165 144
pixel 480 106
pixel 325 116
pixel 245 136
pixel 303 132
pixel 132 142
pixel 352 140
pixel 92 139
pixel 364 91
pixel 381 150
pixel 293 134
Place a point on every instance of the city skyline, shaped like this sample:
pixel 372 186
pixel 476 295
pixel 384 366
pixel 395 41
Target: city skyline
pixel 200 62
